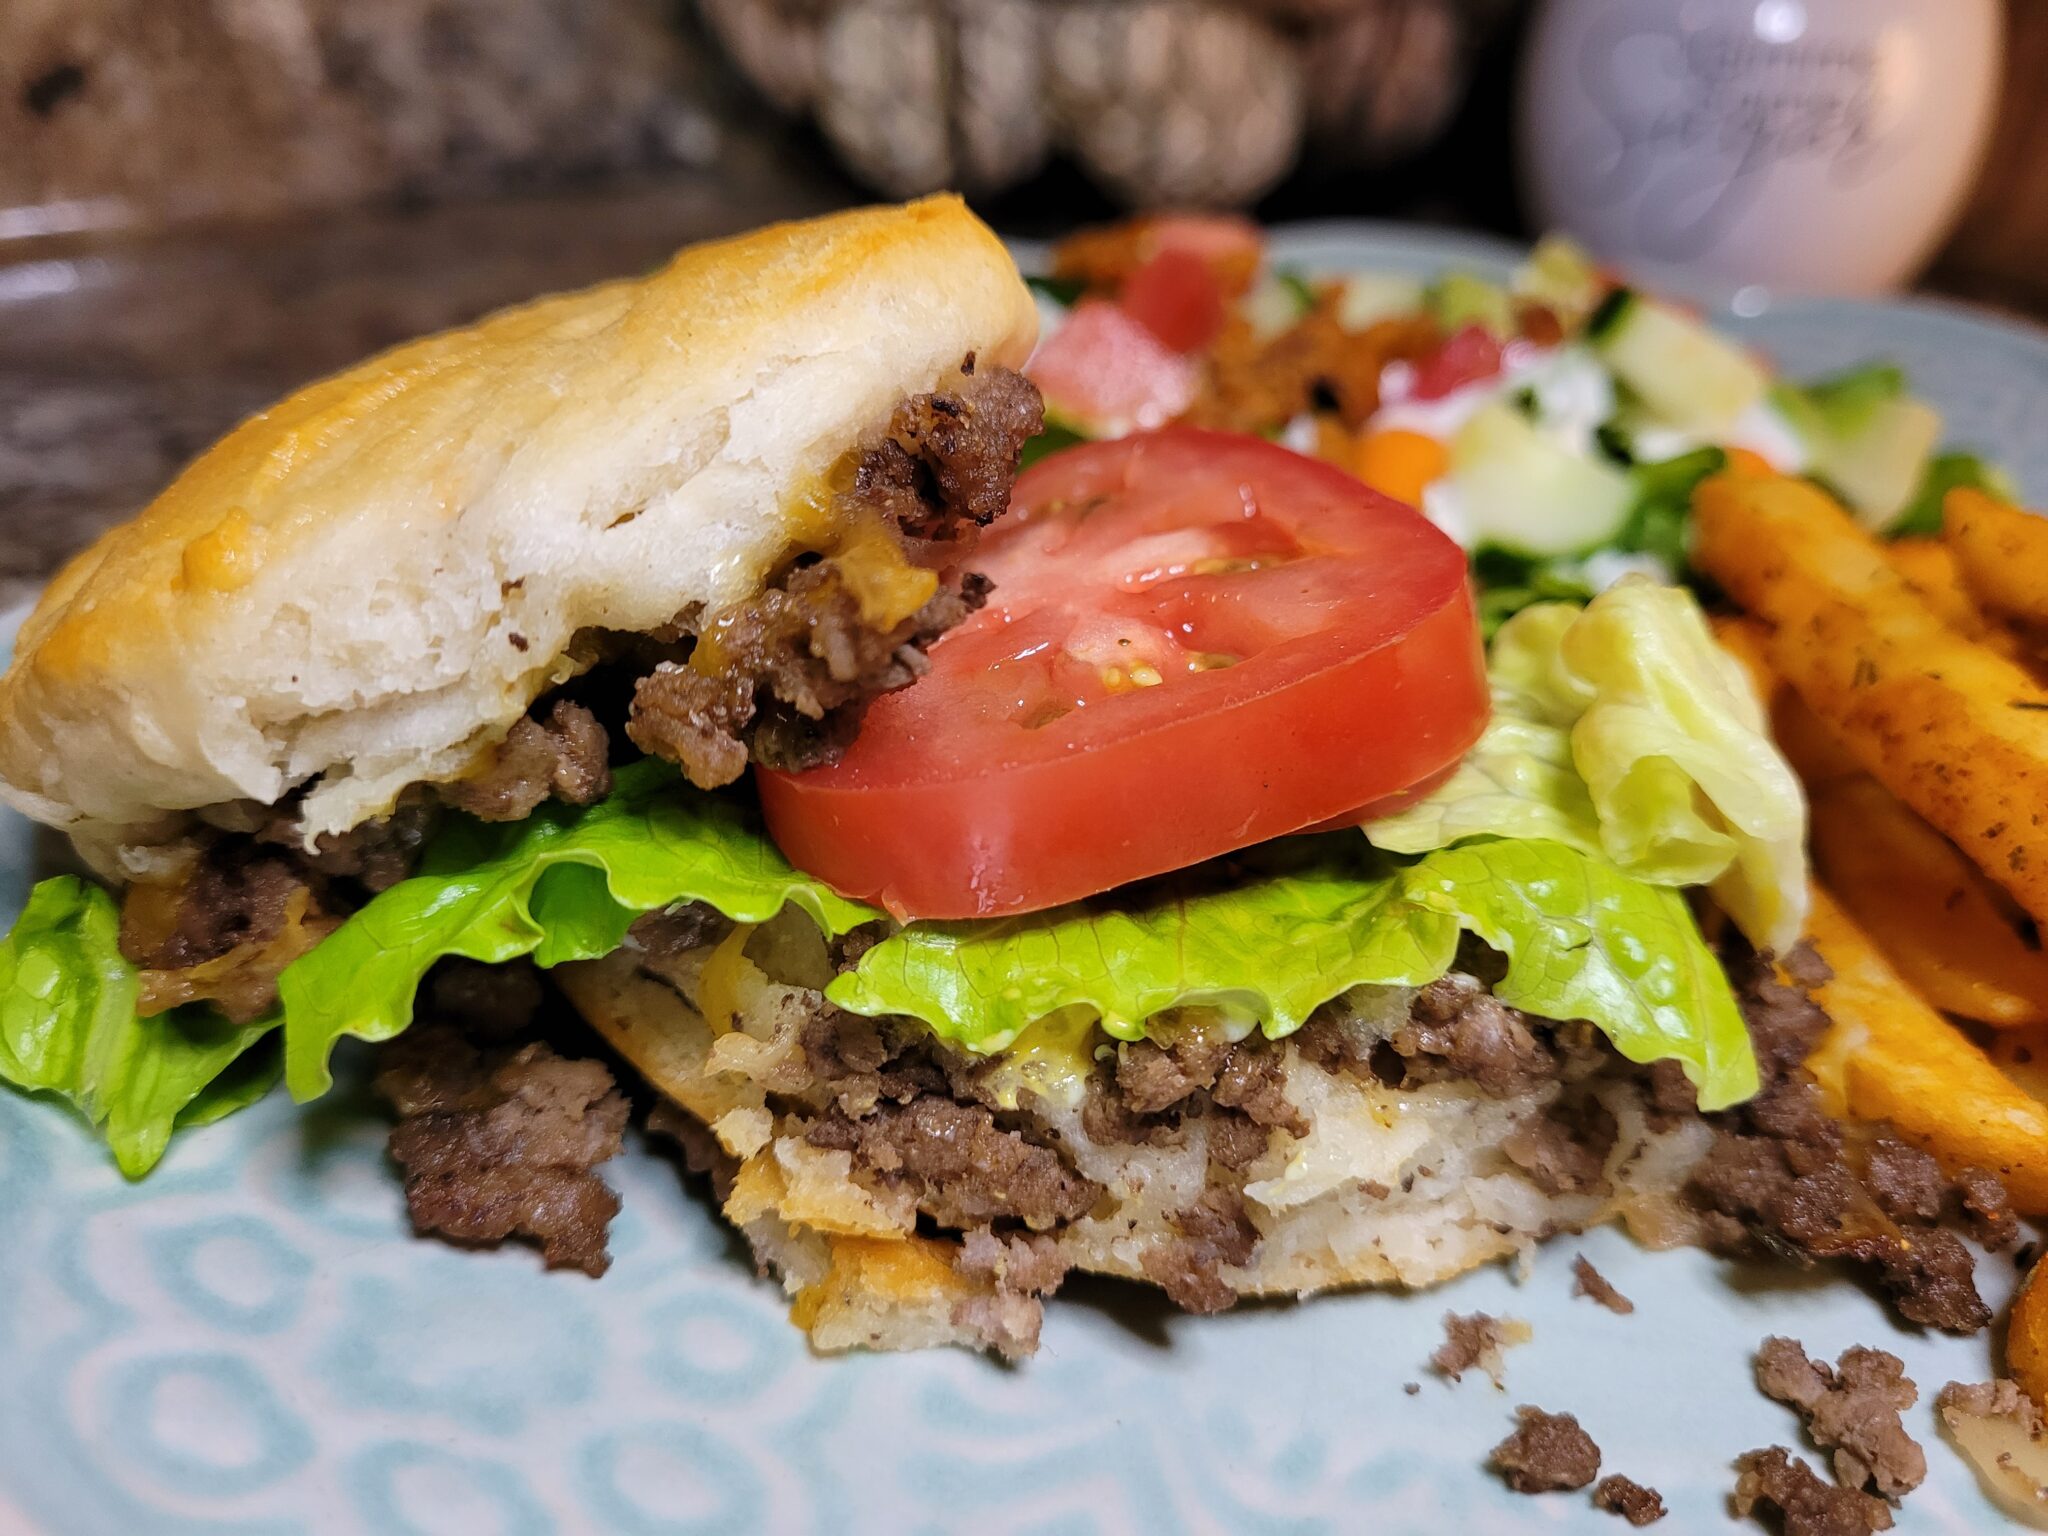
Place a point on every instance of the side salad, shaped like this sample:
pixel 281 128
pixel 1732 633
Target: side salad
pixel 1554 424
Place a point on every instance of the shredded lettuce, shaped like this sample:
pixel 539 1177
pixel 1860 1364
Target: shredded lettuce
pixel 1624 729
pixel 1582 939
pixel 68 1027
pixel 565 884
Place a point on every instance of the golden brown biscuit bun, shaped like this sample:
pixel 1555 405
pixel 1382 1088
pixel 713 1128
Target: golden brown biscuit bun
pixel 366 584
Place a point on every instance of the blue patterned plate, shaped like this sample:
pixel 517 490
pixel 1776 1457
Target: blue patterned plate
pixel 250 1342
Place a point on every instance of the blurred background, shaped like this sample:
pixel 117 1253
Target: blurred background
pixel 206 202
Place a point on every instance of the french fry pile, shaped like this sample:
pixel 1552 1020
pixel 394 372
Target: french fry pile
pixel 1905 684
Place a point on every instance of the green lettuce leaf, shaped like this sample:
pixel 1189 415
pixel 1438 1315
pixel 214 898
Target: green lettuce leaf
pixel 1583 940
pixel 68 1027
pixel 1624 729
pixel 565 884
pixel 1947 472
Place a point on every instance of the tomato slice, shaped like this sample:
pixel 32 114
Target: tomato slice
pixel 1105 370
pixel 1177 298
pixel 1469 356
pixel 1197 641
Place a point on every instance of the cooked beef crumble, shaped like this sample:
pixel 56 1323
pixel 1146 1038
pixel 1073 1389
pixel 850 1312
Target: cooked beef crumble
pixel 1475 1340
pixel 965 1169
pixel 1775 1480
pixel 796 664
pixel 1852 1409
pixel 499 1143
pixel 1215 1231
pixel 1786 1179
pixel 561 752
pixel 235 894
pixel 1548 1452
pixel 1594 1286
pixel 1629 1499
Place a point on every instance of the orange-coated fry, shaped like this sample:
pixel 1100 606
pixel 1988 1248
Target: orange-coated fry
pixel 1945 928
pixel 1889 1056
pixel 1954 730
pixel 2001 552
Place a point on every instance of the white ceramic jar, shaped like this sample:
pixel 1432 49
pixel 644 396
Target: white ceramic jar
pixel 1800 145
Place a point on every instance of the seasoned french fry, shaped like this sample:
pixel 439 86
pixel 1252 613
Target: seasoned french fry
pixel 1944 927
pixel 1930 565
pixel 1957 732
pixel 2026 1335
pixel 1888 1056
pixel 2001 553
pixel 1948 930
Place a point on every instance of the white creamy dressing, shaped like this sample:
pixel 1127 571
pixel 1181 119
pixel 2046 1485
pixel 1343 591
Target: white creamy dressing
pixel 1762 429
pixel 1574 395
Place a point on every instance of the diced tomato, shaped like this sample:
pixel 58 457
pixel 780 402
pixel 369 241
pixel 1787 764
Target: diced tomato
pixel 1106 371
pixel 1469 356
pixel 1176 297
pixel 1103 260
pixel 1197 641
pixel 1231 247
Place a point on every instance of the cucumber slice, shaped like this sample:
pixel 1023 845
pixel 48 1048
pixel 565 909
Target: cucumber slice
pixel 1677 367
pixel 1526 492
pixel 1878 467
pixel 1865 436
pixel 1277 304
pixel 1459 299
pixel 1373 296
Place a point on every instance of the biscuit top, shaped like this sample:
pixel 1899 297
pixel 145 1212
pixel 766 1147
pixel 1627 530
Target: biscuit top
pixel 365 585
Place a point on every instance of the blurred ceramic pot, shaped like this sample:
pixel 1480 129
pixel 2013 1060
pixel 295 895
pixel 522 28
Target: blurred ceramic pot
pixel 1802 145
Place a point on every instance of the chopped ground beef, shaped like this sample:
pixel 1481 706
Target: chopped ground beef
pixel 375 855
pixel 562 752
pixel 1776 1480
pixel 677 930
pixel 1254 1081
pixel 224 934
pixel 1852 1410
pixel 1215 1231
pixel 1546 1453
pixel 795 664
pixel 1564 1151
pixel 1905 1181
pixel 1987 1208
pixel 1023 1267
pixel 966 1170
pixel 1475 1340
pixel 1236 1141
pixel 1460 1030
pixel 1155 1077
pixel 502 1143
pixel 1026 1262
pixel 1629 1499
pixel 1005 1321
pixel 490 1002
pixel 1782 1176
pixel 1590 1283
pixel 235 894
